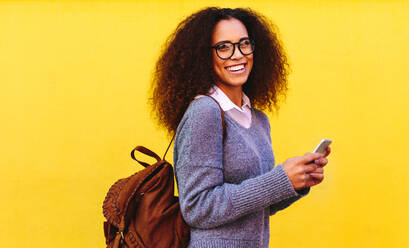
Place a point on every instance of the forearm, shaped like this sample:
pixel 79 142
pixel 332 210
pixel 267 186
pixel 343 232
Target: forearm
pixel 207 202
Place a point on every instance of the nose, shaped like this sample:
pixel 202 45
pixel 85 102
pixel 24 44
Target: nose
pixel 236 54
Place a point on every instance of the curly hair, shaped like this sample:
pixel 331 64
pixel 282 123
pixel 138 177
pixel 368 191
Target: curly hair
pixel 185 66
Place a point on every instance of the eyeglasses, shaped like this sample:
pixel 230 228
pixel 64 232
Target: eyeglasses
pixel 225 49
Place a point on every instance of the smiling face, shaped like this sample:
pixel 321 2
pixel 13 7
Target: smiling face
pixel 232 72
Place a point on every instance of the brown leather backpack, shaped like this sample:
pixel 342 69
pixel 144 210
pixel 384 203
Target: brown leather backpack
pixel 142 211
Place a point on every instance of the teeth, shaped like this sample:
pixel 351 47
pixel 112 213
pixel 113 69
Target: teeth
pixel 235 68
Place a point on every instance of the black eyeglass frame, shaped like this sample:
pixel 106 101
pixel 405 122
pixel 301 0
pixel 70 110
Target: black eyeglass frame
pixel 252 44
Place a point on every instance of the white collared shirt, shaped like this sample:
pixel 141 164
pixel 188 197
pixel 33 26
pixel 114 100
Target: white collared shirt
pixel 240 115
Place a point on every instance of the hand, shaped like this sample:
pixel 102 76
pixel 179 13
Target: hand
pixel 299 169
pixel 318 174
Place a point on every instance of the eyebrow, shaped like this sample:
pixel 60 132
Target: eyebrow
pixel 226 41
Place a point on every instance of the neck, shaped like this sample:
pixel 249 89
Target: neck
pixel 235 94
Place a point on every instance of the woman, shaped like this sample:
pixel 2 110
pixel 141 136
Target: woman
pixel 228 185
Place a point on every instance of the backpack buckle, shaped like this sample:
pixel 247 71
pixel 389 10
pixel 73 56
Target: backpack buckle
pixel 122 234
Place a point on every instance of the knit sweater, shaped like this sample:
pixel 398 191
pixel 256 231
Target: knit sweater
pixel 228 188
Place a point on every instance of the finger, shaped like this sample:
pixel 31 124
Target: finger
pixel 321 162
pixel 318 170
pixel 313 181
pixel 327 152
pixel 309 168
pixel 317 176
pixel 308 157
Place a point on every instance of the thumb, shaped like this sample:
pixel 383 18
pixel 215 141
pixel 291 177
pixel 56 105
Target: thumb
pixel 309 157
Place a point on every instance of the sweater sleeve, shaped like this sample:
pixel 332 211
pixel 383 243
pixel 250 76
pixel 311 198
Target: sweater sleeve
pixel 207 201
pixel 274 208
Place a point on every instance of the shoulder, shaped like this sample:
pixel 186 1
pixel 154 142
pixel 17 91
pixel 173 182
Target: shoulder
pixel 203 103
pixel 200 133
pixel 202 111
pixel 203 107
pixel 261 116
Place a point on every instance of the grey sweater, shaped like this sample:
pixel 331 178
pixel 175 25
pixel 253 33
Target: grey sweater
pixel 228 190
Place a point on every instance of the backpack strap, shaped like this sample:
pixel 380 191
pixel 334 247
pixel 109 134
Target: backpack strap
pixel 145 151
pixel 222 115
pixel 164 155
pixel 223 124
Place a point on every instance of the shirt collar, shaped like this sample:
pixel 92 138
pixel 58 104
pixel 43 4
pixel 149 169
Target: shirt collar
pixel 225 101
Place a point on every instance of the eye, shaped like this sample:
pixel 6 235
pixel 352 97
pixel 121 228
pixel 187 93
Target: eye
pixel 245 43
pixel 223 47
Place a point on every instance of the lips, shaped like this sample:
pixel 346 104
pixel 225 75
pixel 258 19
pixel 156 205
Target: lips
pixel 236 68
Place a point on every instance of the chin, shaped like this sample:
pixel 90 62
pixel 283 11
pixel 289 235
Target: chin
pixel 235 83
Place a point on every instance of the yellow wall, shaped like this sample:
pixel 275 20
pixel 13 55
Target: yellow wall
pixel 74 78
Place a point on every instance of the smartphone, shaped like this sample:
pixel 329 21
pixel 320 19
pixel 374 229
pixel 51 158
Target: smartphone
pixel 322 146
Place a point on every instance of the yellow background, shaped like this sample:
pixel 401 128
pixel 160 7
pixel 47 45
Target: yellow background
pixel 74 80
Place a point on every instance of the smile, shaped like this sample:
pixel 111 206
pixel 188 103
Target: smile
pixel 236 68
